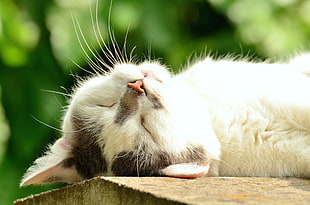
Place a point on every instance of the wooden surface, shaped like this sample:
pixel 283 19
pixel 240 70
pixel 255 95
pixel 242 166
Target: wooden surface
pixel 164 190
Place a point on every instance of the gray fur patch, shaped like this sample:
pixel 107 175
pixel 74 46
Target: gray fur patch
pixel 143 163
pixel 155 101
pixel 88 157
pixel 128 106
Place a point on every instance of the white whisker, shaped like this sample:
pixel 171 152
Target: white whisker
pixel 55 128
pixel 106 51
pixel 137 158
pixel 57 92
pixel 102 62
pixel 80 34
pixel 125 45
pixel 47 125
pixel 149 50
pixel 65 89
pixel 109 55
pixel 80 67
pixel 137 165
pixel 115 46
pixel 132 58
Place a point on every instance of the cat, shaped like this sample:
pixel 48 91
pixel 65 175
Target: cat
pixel 218 117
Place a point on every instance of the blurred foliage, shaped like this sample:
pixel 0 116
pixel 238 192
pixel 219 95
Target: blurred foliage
pixel 39 49
pixel 4 132
pixel 274 27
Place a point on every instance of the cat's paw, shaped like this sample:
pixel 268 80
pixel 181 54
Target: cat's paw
pixel 185 170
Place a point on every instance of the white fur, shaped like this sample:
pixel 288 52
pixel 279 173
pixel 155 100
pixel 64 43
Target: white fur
pixel 260 114
pixel 253 119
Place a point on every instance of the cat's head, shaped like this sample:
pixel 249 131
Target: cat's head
pixel 129 122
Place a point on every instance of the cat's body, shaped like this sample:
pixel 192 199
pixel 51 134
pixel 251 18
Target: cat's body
pixel 260 114
pixel 216 118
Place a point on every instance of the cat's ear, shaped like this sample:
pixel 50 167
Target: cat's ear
pixel 57 165
pixel 185 170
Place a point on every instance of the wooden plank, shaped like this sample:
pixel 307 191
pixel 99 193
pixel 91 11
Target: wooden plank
pixel 164 190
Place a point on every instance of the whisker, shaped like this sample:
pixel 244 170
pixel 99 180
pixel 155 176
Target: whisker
pixel 47 125
pixel 115 46
pixel 55 128
pixel 137 165
pixel 125 45
pixel 80 67
pixel 80 34
pixel 100 40
pixel 132 58
pixel 109 55
pixel 57 92
pixel 105 64
pixel 58 102
pixel 137 158
pixel 149 50
pixel 89 60
pixel 65 89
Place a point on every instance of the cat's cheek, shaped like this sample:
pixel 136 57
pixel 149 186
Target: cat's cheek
pixel 156 92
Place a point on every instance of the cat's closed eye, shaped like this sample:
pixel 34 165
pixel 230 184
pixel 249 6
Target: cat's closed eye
pixel 108 106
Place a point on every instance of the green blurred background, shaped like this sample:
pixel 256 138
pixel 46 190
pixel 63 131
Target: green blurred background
pixel 39 51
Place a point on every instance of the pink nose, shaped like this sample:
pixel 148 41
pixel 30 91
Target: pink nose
pixel 137 85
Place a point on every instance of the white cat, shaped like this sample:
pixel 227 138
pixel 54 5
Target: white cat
pixel 217 118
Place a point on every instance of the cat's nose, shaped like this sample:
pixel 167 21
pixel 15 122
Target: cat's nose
pixel 137 85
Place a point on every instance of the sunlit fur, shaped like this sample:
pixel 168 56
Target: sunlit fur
pixel 251 119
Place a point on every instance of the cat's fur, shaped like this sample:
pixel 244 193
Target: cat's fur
pixel 217 118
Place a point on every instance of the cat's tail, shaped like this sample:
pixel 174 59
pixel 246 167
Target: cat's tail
pixel 301 63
